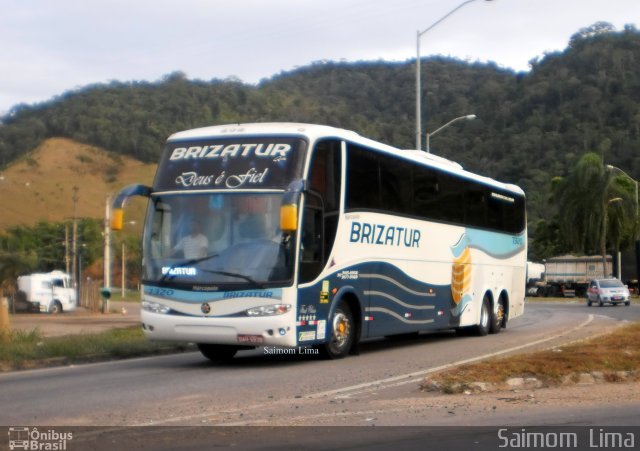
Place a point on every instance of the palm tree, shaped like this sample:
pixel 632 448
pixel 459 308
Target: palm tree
pixel 595 207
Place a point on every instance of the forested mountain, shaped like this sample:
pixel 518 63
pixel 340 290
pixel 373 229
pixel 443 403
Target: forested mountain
pixel 530 126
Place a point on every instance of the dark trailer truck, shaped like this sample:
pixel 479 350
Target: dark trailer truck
pixel 570 275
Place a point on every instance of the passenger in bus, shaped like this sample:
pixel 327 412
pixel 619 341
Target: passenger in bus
pixel 193 245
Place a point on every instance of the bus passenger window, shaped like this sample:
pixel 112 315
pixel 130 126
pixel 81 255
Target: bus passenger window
pixel 311 243
pixel 325 182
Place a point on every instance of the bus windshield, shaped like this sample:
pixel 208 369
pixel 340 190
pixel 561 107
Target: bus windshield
pixel 216 241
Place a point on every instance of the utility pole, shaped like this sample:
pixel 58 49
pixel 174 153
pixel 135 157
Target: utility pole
pixel 66 247
pixel 107 253
pixel 124 268
pixel 74 244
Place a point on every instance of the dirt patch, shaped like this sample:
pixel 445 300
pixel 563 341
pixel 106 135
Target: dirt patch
pixel 79 321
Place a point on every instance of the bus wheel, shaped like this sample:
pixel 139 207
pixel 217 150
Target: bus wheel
pixel 342 329
pixel 55 308
pixel 482 329
pixel 217 353
pixel 497 318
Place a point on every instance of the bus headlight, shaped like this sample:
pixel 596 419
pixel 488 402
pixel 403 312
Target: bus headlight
pixel 155 307
pixel 269 310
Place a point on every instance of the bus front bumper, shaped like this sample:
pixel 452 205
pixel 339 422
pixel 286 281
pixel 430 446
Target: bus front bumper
pixel 278 330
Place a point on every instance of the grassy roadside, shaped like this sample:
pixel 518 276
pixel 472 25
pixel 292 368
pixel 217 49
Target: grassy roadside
pixel 612 357
pixel 27 350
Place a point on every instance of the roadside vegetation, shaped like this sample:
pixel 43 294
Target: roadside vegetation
pixel 27 350
pixel 530 127
pixel 613 357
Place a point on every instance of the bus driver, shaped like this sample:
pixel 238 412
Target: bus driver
pixel 194 245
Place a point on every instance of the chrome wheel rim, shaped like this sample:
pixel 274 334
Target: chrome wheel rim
pixel 341 329
pixel 484 315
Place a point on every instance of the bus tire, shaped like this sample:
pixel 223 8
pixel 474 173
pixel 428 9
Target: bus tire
pixel 497 317
pixel 482 328
pixel 342 330
pixel 217 353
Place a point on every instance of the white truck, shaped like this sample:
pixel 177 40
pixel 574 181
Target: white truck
pixel 50 292
pixel 535 277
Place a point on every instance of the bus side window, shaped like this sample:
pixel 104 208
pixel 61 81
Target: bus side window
pixel 322 211
pixel 320 219
pixel 363 180
pixel 311 261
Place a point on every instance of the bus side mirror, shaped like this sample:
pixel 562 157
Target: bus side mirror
pixel 117 214
pixel 289 207
pixel 117 219
pixel 289 218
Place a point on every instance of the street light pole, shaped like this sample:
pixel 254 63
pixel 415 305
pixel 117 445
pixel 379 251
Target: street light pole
pixel 603 238
pixel 468 117
pixel 418 87
pixel 636 225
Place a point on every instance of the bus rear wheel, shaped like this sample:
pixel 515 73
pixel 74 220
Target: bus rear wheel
pixel 482 328
pixel 217 353
pixel 342 333
pixel 497 318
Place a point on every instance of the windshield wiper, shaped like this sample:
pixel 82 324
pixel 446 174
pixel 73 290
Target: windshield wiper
pixel 235 274
pixel 183 263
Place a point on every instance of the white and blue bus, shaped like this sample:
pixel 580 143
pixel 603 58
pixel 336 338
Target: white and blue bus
pixel 311 237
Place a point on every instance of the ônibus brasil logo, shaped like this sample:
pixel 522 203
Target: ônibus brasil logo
pixel 33 439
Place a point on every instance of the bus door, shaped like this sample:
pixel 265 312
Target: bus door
pixel 319 226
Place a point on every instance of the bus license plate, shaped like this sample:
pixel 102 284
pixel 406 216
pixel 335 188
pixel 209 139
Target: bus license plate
pixel 252 339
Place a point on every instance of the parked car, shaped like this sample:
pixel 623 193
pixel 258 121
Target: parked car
pixel 610 291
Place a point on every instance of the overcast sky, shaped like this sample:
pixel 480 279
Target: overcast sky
pixel 48 47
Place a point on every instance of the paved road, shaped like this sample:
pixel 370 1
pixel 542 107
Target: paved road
pixel 378 387
pixel 262 389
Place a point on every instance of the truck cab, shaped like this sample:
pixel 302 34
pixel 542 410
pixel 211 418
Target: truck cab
pixel 48 292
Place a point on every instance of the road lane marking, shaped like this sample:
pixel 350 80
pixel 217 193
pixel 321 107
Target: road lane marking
pixel 408 378
pixel 346 392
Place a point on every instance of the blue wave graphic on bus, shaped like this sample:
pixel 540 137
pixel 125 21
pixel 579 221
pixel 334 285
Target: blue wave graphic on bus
pixel 496 245
pixel 458 309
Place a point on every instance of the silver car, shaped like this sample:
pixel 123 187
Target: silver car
pixel 607 291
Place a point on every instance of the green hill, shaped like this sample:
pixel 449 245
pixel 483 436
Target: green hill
pixel 530 126
pixel 40 185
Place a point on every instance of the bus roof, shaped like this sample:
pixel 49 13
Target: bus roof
pixel 265 128
pixel 314 131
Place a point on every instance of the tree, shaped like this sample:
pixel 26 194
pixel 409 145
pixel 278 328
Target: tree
pixel 13 265
pixel 591 31
pixel 595 207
